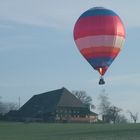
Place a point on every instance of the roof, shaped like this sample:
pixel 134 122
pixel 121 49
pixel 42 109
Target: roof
pixel 48 101
pixel 69 100
pixel 93 113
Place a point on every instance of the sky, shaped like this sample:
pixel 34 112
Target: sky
pixel 38 53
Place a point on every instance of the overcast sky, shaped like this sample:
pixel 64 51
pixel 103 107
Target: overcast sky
pixel 38 54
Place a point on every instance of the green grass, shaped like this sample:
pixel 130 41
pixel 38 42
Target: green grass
pixel 44 131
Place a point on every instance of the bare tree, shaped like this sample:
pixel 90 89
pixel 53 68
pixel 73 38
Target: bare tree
pixel 12 106
pixel 84 98
pixel 2 107
pixel 6 107
pixel 134 116
pixel 121 119
pixel 113 113
pixel 104 104
pixel 109 112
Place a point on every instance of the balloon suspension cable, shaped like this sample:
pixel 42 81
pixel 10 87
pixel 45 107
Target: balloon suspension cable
pixel 101 81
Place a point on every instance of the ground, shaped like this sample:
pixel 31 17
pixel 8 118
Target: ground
pixel 45 131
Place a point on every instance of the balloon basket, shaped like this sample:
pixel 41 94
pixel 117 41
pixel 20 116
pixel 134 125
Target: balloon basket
pixel 101 81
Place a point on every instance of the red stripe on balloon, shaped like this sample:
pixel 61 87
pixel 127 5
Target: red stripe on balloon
pixel 100 52
pixel 103 54
pixel 98 25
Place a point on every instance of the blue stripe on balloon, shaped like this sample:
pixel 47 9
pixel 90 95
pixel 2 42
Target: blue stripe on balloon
pixel 100 62
pixel 97 12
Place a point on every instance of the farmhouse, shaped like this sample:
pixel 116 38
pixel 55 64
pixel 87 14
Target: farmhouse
pixel 56 106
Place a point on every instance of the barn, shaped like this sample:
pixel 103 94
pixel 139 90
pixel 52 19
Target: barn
pixel 56 106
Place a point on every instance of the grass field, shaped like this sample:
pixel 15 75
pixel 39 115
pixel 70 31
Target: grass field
pixel 44 131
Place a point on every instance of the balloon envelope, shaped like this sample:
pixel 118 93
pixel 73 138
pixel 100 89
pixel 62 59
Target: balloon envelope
pixel 99 35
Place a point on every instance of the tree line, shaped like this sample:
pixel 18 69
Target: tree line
pixel 110 113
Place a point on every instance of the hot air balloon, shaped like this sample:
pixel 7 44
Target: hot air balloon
pixel 99 35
